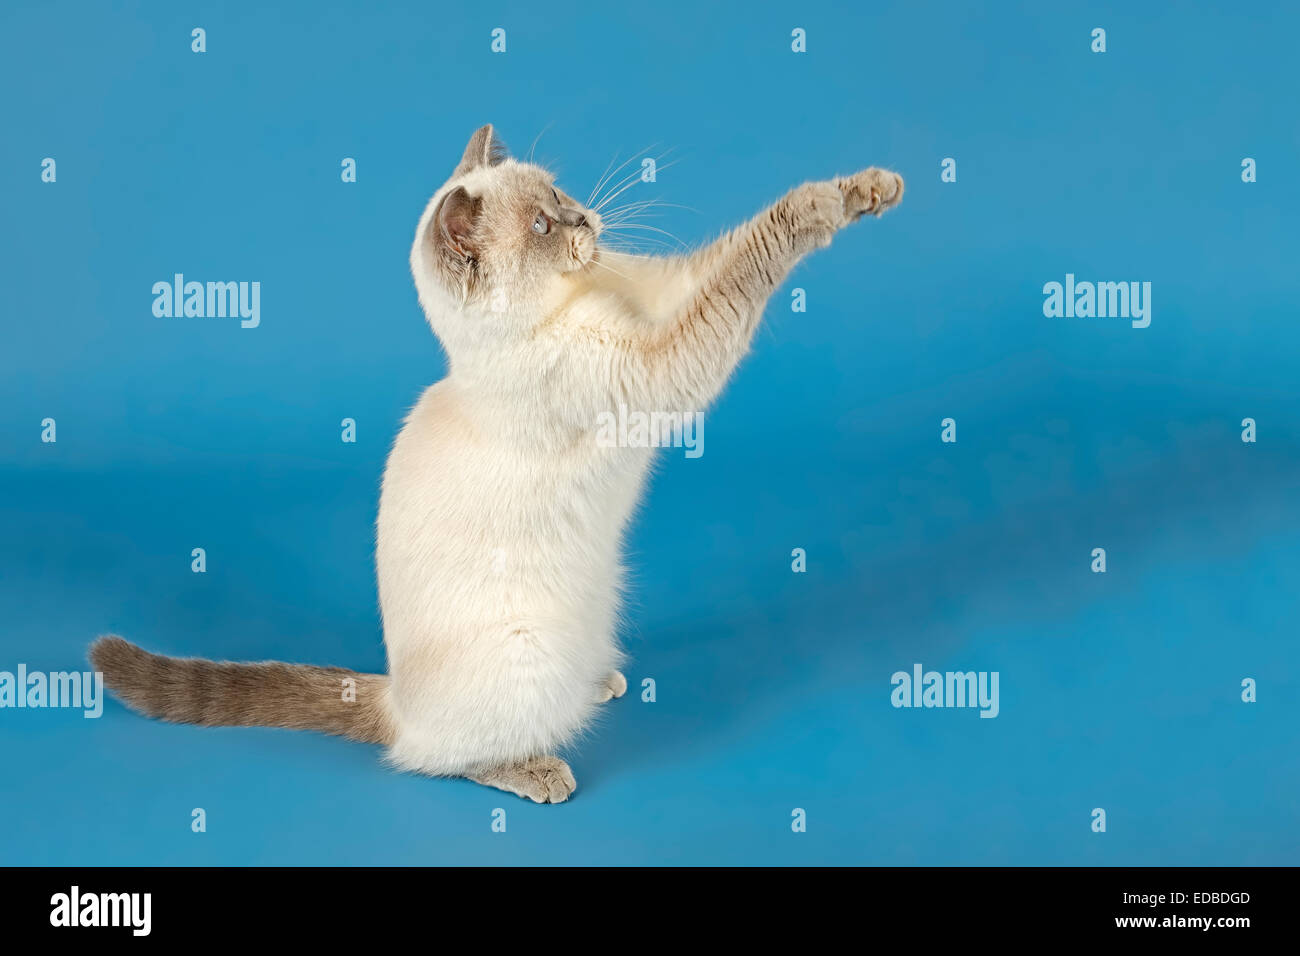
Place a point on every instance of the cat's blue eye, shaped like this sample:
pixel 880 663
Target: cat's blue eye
pixel 542 224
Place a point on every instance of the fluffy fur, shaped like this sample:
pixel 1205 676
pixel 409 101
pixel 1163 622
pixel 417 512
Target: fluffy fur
pixel 501 517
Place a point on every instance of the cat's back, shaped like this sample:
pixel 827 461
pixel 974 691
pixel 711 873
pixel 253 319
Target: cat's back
pixel 468 464
pixel 433 522
pixel 434 419
pixel 434 444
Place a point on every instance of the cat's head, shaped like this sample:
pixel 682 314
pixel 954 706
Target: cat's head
pixel 498 231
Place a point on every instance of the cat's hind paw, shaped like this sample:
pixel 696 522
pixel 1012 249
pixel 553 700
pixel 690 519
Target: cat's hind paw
pixel 541 779
pixel 615 686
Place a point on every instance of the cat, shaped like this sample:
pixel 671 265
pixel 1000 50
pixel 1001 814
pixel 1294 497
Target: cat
pixel 500 516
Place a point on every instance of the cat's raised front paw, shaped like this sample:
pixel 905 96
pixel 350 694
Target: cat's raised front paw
pixel 870 191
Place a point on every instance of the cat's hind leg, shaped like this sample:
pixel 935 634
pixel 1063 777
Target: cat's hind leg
pixel 540 779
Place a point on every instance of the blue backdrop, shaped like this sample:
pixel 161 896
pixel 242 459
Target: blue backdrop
pixel 1120 691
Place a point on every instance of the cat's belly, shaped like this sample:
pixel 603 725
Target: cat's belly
pixel 499 584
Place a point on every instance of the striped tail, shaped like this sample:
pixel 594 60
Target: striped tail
pixel 188 690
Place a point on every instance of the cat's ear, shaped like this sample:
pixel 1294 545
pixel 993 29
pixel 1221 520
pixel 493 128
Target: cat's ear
pixel 456 222
pixel 484 149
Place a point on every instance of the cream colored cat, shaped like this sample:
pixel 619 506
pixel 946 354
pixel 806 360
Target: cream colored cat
pixel 501 516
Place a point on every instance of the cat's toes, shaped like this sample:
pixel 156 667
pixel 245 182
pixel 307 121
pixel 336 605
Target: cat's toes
pixel 541 779
pixel 551 780
pixel 615 686
pixel 871 192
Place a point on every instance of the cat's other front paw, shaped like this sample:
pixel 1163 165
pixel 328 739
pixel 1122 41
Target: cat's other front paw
pixel 870 192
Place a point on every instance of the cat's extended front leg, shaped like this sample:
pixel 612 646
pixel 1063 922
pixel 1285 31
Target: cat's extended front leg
pixel 540 779
pixel 685 363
